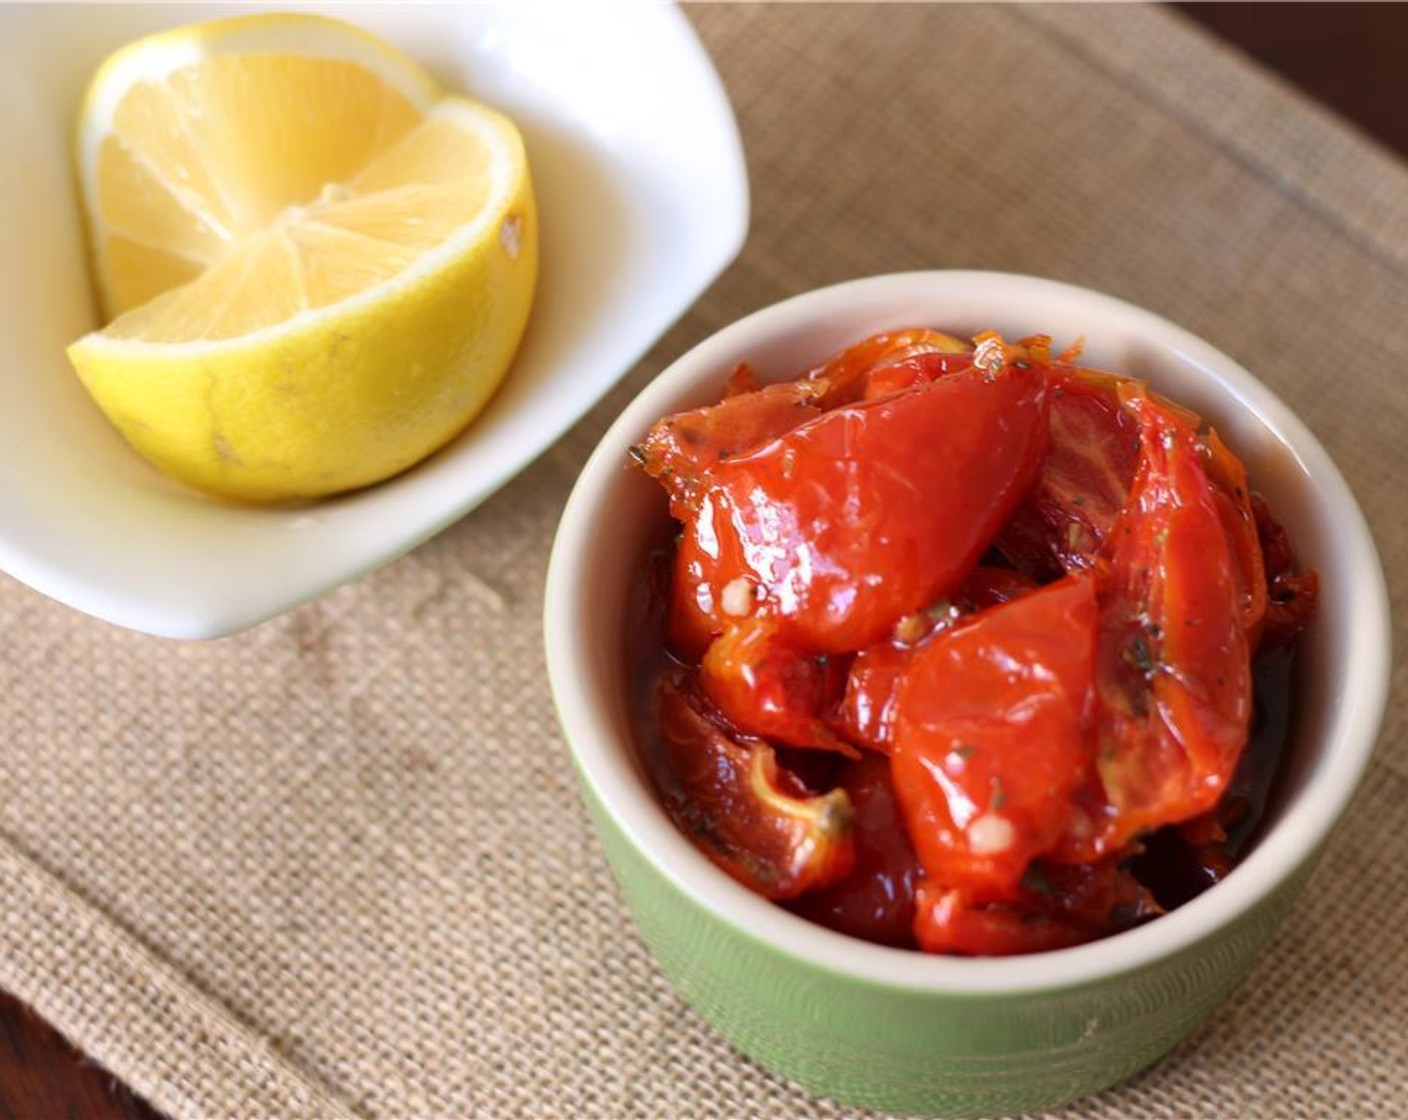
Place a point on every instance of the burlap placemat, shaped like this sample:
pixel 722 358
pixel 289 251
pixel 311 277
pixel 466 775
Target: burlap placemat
pixel 337 864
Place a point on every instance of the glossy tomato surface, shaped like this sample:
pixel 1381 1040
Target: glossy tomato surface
pixel 955 647
pixel 858 516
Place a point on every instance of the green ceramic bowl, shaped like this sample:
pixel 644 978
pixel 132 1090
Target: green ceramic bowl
pixel 895 1029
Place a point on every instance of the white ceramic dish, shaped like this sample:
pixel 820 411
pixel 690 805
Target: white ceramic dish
pixel 1157 981
pixel 643 199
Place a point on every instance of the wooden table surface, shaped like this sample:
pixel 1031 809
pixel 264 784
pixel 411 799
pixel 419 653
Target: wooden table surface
pixel 1348 55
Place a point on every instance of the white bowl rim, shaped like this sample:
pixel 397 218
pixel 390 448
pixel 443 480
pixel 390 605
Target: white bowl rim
pixel 1293 841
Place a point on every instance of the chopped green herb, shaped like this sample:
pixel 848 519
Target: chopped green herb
pixel 941 610
pixel 1138 654
pixel 1123 914
pixel 1035 879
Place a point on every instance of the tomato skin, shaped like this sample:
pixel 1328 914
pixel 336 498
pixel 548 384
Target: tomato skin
pixel 679 450
pixel 1174 670
pixel 1291 593
pixel 946 921
pixel 990 737
pixel 765 688
pixel 876 900
pixel 871 367
pixel 867 712
pixel 861 515
pixel 734 802
pixel 989 587
pixel 1064 522
pixel 1056 907
pixel 914 369
pixel 1233 498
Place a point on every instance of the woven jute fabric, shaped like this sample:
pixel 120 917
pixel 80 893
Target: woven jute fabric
pixel 337 865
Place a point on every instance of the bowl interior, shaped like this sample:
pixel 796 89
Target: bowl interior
pixel 1341 667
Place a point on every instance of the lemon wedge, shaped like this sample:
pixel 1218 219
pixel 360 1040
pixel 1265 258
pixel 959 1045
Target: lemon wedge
pixel 317 267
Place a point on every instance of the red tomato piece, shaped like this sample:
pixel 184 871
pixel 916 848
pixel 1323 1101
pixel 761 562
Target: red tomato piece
pixel 862 515
pixel 1234 506
pixel 1174 669
pixel 1064 522
pixel 991 737
pixel 767 689
pixel 876 900
pixel 906 373
pixel 732 800
pixel 1291 593
pixel 1099 898
pixel 989 587
pixel 867 713
pixel 947 921
pixel 1039 738
pixel 680 449
pixel 858 371
pixel 1056 906
pixel 741 381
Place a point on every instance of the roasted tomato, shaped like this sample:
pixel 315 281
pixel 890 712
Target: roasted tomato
pixel 991 737
pixel 679 450
pixel 861 515
pixel 765 688
pixel 1055 907
pixel 867 714
pixel 1291 593
pixel 911 370
pixel 1233 498
pixel 1064 522
pixel 867 711
pixel 884 363
pixel 1098 898
pixel 732 799
pixel 962 643
pixel 1174 676
pixel 876 900
pixel 947 921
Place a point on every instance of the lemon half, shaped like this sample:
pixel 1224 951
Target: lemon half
pixel 319 266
